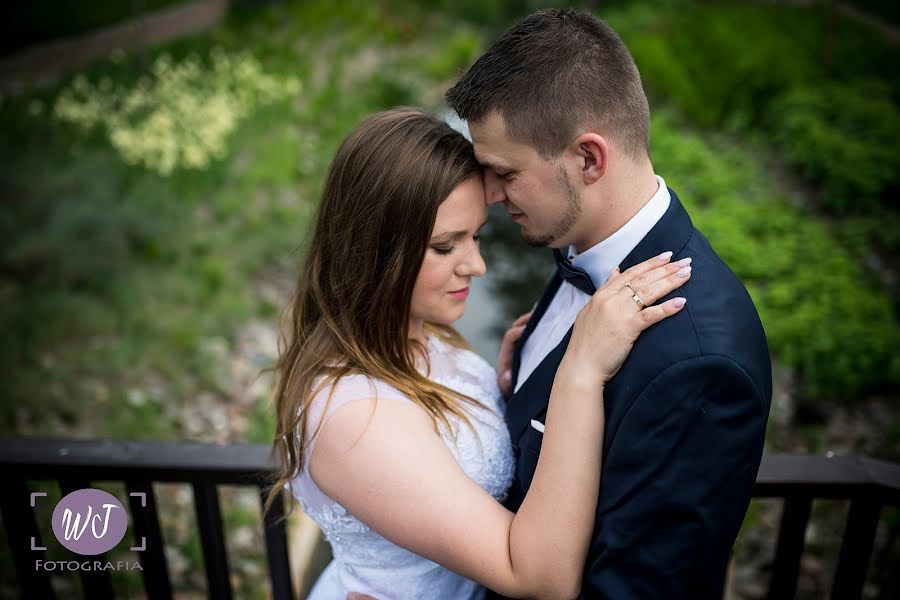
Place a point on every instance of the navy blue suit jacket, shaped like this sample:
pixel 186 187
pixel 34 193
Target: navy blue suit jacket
pixel 685 421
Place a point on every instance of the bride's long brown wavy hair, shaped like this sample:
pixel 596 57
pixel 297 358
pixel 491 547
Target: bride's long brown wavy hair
pixel 350 310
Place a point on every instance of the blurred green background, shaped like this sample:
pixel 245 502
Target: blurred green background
pixel 154 204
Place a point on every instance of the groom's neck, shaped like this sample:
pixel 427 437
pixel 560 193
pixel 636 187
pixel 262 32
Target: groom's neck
pixel 621 195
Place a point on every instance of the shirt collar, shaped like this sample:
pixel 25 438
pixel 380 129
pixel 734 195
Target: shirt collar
pixel 600 259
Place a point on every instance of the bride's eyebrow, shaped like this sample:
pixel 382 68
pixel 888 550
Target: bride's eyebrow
pixel 452 235
pixel 447 236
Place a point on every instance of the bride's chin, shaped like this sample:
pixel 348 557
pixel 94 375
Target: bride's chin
pixel 451 318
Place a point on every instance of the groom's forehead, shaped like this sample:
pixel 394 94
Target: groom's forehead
pixel 493 148
pixel 503 155
pixel 490 129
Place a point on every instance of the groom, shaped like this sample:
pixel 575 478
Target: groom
pixel 561 124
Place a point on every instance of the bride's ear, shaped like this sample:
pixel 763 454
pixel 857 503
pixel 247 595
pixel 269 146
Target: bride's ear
pixel 593 156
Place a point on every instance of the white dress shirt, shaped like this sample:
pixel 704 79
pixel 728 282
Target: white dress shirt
pixel 598 261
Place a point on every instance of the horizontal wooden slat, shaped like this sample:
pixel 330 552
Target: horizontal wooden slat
pixel 781 475
pixel 113 460
pixel 107 460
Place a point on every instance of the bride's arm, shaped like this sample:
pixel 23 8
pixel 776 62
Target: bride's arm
pixel 385 464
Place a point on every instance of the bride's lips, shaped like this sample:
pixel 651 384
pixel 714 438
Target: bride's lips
pixel 460 294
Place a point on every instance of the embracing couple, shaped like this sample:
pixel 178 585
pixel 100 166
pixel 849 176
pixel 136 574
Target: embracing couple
pixel 614 452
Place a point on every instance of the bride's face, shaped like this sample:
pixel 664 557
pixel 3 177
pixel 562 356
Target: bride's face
pixel 452 258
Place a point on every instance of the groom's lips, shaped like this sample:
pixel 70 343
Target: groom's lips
pixel 516 216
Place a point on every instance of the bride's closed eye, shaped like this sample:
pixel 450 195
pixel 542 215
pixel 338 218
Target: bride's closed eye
pixel 445 250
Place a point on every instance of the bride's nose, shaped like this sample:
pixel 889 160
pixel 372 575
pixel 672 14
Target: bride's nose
pixel 472 265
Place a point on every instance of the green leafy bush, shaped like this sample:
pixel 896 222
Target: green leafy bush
pixel 147 211
pixel 823 314
pixel 715 62
pixel 844 136
pixel 799 75
pixel 181 114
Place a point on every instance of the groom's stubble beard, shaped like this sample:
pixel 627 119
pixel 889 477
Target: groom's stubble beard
pixel 571 213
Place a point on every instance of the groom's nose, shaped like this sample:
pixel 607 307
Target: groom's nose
pixel 493 189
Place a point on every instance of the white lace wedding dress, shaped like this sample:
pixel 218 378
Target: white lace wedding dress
pixel 365 562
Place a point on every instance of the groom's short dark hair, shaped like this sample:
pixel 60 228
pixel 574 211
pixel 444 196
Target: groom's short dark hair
pixel 552 73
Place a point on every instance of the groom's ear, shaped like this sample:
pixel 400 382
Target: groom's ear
pixel 593 155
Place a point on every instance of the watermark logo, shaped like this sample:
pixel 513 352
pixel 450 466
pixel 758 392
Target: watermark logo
pixel 89 522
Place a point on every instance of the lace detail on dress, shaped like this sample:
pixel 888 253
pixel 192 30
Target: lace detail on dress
pixel 364 561
pixel 486 457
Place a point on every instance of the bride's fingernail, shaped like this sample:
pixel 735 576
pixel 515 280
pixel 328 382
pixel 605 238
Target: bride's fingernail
pixel 507 376
pixel 679 302
pixel 683 272
pixel 683 262
pixel 665 255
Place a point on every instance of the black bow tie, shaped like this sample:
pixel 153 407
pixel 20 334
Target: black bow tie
pixel 574 275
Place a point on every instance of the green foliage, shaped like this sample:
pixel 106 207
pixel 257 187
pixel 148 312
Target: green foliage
pixel 178 116
pixel 496 13
pixel 844 136
pixel 115 276
pixel 823 314
pixel 261 423
pixel 461 50
pixel 385 90
pixel 709 70
pixel 799 75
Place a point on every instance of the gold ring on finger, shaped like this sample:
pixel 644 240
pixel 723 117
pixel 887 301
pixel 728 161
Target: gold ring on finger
pixel 636 298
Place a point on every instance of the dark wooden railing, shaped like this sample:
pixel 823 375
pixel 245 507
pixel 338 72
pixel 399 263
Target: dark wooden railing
pixel 76 464
pixel 868 484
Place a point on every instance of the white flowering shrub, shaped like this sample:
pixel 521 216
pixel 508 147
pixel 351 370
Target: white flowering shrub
pixel 181 114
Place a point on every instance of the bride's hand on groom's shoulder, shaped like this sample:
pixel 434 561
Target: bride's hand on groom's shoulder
pixel 355 596
pixel 507 345
pixel 609 324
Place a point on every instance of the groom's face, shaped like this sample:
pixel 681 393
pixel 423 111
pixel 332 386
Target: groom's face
pixel 536 192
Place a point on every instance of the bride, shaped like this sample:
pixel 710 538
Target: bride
pixel 390 430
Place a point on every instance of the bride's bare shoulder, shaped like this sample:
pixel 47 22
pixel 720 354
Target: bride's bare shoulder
pixel 356 407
